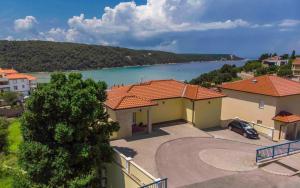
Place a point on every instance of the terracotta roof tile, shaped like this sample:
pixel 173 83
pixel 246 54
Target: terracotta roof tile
pixel 126 101
pixel 265 85
pixel 8 71
pixel 286 117
pixel 20 76
pixel 144 94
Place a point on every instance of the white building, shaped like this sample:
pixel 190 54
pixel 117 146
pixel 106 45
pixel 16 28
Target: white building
pixel 11 80
pixel 275 61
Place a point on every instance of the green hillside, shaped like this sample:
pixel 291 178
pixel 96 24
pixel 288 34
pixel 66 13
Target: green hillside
pixel 40 56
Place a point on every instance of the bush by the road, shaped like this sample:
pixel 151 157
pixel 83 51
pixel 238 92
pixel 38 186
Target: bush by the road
pixel 3 134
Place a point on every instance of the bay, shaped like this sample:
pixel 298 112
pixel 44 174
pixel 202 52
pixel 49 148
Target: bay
pixel 135 74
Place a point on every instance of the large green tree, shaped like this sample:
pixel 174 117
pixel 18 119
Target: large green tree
pixel 66 134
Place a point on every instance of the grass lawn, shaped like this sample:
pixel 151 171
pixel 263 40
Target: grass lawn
pixel 14 136
pixel 14 139
pixel 6 182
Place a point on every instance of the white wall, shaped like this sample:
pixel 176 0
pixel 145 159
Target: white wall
pixel 20 85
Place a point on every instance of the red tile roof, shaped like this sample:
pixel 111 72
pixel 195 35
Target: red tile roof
pixel 8 71
pixel 265 85
pixel 15 76
pixel 296 61
pixel 145 94
pixel 286 117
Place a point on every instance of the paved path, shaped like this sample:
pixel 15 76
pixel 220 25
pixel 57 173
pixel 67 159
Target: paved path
pixel 173 151
pixel 179 161
pixel 142 148
pixel 230 135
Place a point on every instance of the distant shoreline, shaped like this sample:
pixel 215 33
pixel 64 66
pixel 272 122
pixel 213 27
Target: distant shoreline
pixel 131 66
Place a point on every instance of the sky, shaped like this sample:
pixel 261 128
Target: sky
pixel 246 28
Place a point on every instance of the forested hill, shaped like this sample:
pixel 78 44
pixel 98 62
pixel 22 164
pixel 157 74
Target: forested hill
pixel 39 56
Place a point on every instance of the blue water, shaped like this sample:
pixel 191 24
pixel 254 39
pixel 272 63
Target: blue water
pixel 128 75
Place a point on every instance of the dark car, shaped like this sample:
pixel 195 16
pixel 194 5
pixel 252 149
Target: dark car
pixel 243 128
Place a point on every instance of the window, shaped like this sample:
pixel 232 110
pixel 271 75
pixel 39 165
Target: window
pixel 14 81
pixel 23 86
pixel 259 121
pixel 261 104
pixel 15 87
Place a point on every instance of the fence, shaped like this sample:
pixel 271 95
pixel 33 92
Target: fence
pixel 160 183
pixel 13 112
pixel 267 131
pixel 278 150
pixel 137 173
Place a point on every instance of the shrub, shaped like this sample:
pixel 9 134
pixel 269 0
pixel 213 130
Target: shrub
pixel 3 134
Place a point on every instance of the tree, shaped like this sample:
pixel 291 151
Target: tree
pixel 264 56
pixel 3 133
pixel 261 71
pixel 251 66
pixel 285 71
pixel 66 133
pixel 285 56
pixel 9 97
pixel 293 56
pixel 225 74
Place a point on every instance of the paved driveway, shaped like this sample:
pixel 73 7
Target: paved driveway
pixel 230 135
pixel 142 148
pixel 175 151
pixel 179 161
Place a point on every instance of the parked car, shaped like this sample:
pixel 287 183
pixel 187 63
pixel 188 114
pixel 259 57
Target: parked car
pixel 244 128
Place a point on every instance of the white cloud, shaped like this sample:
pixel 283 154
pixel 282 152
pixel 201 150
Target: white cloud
pixel 171 46
pixel 131 21
pixel 10 38
pixel 289 23
pixel 25 24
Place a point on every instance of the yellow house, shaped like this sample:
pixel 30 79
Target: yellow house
pixel 136 107
pixel 270 102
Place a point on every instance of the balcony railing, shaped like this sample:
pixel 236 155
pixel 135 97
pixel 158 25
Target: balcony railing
pixel 278 150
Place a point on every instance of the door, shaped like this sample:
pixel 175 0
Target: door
pixel 134 118
pixel 290 131
pixel 298 131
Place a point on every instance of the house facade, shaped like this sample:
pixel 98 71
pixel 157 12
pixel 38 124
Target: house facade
pixel 275 61
pixel 271 102
pixel 11 80
pixel 140 106
pixel 296 68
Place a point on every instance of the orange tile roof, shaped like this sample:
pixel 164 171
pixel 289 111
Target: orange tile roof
pixel 265 85
pixel 29 77
pixel 8 71
pixel 286 117
pixel 145 94
pixel 296 61
pixel 20 76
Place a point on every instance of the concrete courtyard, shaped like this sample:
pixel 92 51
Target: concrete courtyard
pixel 190 157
